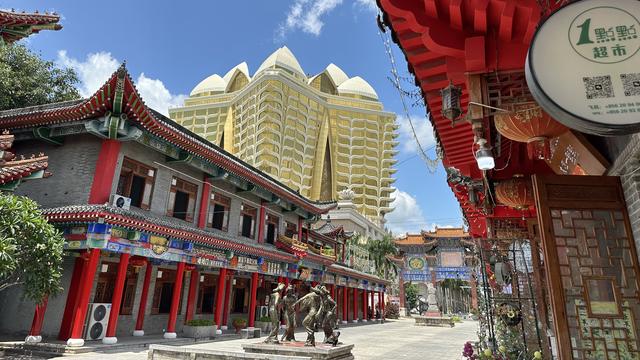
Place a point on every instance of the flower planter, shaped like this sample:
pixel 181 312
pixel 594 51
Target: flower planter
pixel 198 332
pixel 239 324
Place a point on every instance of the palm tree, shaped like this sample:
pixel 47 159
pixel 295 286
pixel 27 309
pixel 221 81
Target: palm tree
pixel 380 250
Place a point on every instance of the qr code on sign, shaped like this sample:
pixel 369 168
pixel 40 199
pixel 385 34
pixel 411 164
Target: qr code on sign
pixel 631 84
pixel 598 87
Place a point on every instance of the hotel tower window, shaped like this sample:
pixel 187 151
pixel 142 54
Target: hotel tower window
pixel 247 220
pixel 182 199
pixel 136 182
pixel 219 211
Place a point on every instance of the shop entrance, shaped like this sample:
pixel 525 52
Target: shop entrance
pixel 591 266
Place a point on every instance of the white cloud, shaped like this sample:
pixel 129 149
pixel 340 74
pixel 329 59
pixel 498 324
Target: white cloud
pixel 96 69
pixel 367 5
pixel 407 215
pixel 306 15
pixel 156 95
pixel 424 132
pixel 93 72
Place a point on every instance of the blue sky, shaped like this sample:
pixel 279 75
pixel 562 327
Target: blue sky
pixel 171 46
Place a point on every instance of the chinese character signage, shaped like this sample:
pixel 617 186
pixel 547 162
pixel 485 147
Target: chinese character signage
pixel 589 78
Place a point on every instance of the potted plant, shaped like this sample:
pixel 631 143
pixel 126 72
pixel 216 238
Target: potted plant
pixel 264 323
pixel 239 323
pixel 199 328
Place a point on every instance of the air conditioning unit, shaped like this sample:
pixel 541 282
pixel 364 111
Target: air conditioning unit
pixel 263 311
pixel 97 321
pixel 120 201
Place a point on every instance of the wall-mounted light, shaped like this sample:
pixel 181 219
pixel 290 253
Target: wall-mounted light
pixel 159 276
pixel 451 104
pixel 451 108
pixel 484 157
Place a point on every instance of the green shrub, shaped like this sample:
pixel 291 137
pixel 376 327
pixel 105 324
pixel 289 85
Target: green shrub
pixel 200 322
pixel 265 319
pixel 391 311
pixel 239 321
pixel 456 319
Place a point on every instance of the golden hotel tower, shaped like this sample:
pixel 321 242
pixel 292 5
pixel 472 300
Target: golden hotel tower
pixel 319 134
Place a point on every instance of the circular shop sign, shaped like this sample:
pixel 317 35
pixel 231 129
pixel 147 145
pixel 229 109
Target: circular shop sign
pixel 583 66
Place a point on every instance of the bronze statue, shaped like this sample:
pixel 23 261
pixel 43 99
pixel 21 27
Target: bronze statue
pixel 329 318
pixel 275 305
pixel 289 300
pixel 310 303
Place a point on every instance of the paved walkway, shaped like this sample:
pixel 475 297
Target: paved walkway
pixel 397 339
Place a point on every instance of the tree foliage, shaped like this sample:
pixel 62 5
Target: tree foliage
pixel 27 80
pixel 379 250
pixel 30 249
pixel 411 293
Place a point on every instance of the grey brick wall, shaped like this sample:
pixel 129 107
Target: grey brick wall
pixel 72 164
pixel 164 174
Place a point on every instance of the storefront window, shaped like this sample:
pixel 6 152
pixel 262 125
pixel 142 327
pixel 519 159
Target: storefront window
pixel 271 233
pixel 182 199
pixel 247 220
pixel 219 211
pixel 136 182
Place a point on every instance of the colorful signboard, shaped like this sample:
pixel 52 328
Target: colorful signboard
pixel 583 66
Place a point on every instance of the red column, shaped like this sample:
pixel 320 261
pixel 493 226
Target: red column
pixel 474 294
pixel 175 302
pixel 345 304
pixel 373 305
pixel 204 204
pixel 220 295
pixel 103 176
pixel 299 228
pixel 194 281
pixel 36 324
pixel 139 330
pixel 333 291
pixel 365 305
pixel 355 305
pixel 227 296
pixel 72 298
pixel 262 215
pixel 252 299
pixel 83 300
pixel 401 294
pixel 382 302
pixel 116 300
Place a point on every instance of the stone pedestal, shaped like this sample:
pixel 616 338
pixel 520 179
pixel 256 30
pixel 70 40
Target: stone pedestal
pixel 250 333
pixel 297 348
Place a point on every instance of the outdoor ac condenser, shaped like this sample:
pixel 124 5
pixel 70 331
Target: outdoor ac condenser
pixel 97 321
pixel 120 201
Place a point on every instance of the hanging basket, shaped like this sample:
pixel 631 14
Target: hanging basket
pixel 516 193
pixel 528 123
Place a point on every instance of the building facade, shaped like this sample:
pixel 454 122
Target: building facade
pixel 535 177
pixel 432 257
pixel 162 226
pixel 318 135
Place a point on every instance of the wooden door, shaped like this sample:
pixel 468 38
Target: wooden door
pixel 591 266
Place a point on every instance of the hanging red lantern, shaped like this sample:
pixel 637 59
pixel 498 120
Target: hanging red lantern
pixel 516 193
pixel 526 122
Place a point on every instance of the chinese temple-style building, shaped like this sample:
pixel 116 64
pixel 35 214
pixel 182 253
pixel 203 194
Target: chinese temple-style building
pixel 161 226
pixel 15 169
pixel 434 256
pixel 523 167
pixel 15 26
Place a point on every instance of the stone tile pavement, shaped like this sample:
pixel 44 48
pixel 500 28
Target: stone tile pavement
pixel 396 339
